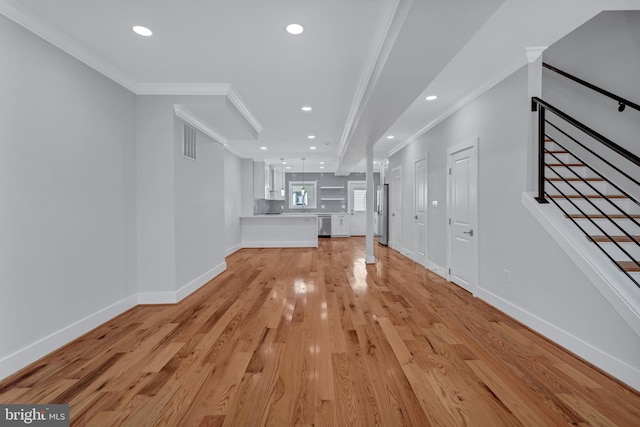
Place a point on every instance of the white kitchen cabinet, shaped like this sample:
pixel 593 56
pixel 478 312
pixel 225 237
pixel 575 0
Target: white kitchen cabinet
pixel 340 225
pixel 260 180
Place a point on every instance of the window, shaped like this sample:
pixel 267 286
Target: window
pixel 302 194
pixel 359 200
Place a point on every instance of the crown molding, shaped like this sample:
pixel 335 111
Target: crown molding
pixel 211 89
pixel 503 74
pixel 185 114
pixel 62 41
pixel 65 43
pixel 242 106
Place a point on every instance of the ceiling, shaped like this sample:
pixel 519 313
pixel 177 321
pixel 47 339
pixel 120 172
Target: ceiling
pixel 364 66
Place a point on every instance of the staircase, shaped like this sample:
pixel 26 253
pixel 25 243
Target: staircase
pixel 587 194
pixel 608 216
pixel 588 200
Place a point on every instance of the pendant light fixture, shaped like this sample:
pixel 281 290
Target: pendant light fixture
pixel 282 189
pixel 303 191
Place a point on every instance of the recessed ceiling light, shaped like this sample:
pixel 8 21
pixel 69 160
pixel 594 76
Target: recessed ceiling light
pixel 143 31
pixel 390 137
pixel 284 163
pixel 263 148
pixel 322 163
pixel 431 98
pixel 311 137
pixel 321 167
pixel 288 167
pixel 294 29
pixel 306 108
pixel 313 148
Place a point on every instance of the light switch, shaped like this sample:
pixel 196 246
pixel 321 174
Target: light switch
pixel 434 203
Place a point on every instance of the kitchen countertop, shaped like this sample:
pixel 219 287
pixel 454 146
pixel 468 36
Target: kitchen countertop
pixel 285 215
pixel 295 214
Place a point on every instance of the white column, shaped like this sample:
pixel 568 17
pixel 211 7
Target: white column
pixel 534 58
pixel 370 259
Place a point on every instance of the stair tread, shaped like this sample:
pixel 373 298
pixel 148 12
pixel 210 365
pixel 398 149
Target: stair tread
pixel 556 151
pixel 600 216
pixel 571 165
pixel 588 196
pixel 629 266
pixel 619 239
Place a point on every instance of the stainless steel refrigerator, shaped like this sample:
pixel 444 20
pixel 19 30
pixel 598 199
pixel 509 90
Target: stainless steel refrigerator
pixel 383 215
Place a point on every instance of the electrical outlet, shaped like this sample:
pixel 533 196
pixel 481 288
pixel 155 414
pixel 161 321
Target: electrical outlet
pixel 506 277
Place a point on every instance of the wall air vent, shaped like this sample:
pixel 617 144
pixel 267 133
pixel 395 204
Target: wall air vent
pixel 189 142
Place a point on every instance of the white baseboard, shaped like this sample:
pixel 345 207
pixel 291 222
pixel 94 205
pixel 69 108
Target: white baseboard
pixel 196 284
pixel 406 252
pixel 232 249
pixel 617 368
pixel 29 354
pixel 145 298
pixel 440 271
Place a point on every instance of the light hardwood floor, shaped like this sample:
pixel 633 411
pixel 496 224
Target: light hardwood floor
pixel 291 337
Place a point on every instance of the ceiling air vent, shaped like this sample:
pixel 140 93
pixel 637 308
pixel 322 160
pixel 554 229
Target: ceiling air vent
pixel 189 142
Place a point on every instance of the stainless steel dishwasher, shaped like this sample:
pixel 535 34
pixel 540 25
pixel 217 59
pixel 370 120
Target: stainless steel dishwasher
pixel 324 225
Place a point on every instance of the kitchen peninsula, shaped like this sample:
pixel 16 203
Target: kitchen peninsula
pixel 280 231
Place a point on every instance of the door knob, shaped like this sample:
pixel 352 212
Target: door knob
pixel 470 232
pixel 415 217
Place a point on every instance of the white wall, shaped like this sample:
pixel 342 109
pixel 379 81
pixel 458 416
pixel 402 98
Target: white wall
pixel 156 197
pixel 67 192
pixel 605 51
pixel 200 216
pixel 181 219
pixel 233 180
pixel 546 290
pixel 98 209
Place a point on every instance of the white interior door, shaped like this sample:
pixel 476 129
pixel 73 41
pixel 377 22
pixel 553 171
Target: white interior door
pixel 463 214
pixel 420 217
pixel 395 209
pixel 358 207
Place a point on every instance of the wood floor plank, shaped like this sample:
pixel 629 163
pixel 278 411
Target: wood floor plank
pixel 314 337
pixel 515 396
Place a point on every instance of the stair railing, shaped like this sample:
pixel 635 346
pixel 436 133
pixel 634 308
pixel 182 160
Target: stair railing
pixel 622 103
pixel 546 132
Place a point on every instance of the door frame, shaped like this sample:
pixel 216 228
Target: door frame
pixel 474 144
pixel 424 261
pixel 393 235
